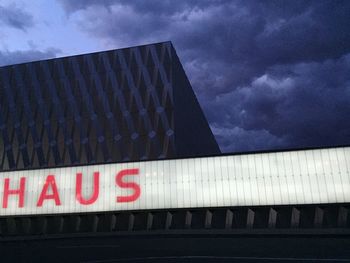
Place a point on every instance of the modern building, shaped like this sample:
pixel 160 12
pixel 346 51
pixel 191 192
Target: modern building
pixel 120 105
pixel 108 156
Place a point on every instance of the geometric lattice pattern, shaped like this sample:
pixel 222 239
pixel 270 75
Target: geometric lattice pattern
pixel 103 107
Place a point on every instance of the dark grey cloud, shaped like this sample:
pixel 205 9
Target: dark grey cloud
pixel 15 17
pixel 15 57
pixel 156 7
pixel 300 105
pixel 269 74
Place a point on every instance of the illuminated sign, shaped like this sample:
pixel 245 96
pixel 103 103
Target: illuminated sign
pixel 281 178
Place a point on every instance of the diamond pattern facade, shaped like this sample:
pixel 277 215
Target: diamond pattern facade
pixel 120 105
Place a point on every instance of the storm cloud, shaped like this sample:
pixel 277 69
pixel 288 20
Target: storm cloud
pixel 15 57
pixel 15 17
pixel 271 74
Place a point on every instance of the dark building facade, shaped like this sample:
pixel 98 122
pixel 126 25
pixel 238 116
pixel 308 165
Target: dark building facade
pixel 120 105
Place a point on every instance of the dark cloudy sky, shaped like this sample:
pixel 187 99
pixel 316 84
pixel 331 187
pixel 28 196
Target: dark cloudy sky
pixel 268 74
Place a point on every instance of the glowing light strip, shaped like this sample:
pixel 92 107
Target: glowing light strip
pixel 295 177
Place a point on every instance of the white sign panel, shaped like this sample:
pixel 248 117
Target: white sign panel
pixel 295 177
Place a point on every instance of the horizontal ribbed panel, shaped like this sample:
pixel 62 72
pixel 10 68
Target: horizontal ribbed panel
pixel 282 178
pixel 229 218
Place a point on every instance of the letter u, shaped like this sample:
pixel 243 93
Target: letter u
pixel 94 196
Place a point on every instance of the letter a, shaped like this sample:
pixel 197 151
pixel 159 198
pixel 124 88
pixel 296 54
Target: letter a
pixel 50 181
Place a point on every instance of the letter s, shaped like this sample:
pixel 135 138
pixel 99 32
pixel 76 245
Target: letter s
pixel 132 185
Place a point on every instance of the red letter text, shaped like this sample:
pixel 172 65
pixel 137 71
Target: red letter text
pixel 50 181
pixel 132 185
pixel 94 196
pixel 19 192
